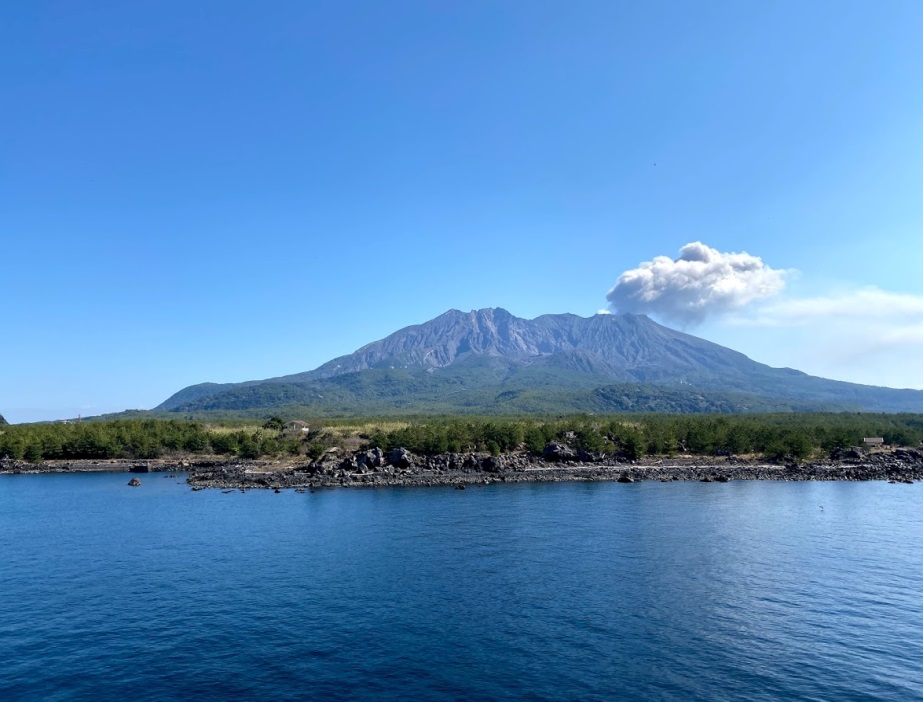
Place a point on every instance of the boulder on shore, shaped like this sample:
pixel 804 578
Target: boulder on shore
pixel 558 452
pixel 401 458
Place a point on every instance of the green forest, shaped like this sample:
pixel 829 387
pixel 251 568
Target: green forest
pixel 774 436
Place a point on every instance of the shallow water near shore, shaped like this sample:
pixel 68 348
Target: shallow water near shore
pixel 591 591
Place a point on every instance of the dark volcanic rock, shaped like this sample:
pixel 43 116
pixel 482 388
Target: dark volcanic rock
pixel 453 469
pixel 400 458
pixel 492 464
pixel 370 459
pixel 558 452
pixel 847 454
pixel 134 482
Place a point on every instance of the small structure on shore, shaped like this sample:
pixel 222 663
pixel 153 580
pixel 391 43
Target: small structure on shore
pixel 297 426
pixel 873 441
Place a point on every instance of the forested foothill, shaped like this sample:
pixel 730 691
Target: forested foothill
pixel 772 436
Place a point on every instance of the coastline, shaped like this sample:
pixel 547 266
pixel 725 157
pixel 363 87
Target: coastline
pixel 399 468
pixel 91 465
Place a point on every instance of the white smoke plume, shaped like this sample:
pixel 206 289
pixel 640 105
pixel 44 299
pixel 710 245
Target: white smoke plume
pixel 701 282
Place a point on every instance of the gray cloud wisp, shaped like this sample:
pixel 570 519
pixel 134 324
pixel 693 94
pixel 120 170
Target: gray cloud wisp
pixel 701 282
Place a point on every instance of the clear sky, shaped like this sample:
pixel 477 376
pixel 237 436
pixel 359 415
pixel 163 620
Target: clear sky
pixel 223 191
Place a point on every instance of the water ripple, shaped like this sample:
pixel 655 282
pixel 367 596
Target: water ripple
pixel 527 592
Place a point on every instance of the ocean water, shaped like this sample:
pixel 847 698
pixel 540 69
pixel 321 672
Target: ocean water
pixel 572 591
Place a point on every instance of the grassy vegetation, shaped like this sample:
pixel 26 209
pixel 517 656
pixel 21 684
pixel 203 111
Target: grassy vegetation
pixel 474 390
pixel 774 436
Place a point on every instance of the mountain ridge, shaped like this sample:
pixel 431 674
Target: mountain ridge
pixel 471 354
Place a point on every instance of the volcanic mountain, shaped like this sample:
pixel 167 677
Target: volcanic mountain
pixel 489 361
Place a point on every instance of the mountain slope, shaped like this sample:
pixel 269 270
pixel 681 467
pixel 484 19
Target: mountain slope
pixel 492 359
pixel 626 343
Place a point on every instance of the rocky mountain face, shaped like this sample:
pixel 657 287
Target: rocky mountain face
pixel 479 356
pixel 2 420
pixel 623 346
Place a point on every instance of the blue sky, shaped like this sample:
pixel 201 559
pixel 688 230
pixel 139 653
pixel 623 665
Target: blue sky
pixel 234 190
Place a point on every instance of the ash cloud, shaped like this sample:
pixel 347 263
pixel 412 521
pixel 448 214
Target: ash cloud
pixel 700 283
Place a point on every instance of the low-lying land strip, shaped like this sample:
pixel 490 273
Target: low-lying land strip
pixel 276 453
pixel 399 467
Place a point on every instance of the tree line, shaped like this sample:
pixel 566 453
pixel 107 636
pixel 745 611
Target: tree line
pixel 774 436
pixel 140 438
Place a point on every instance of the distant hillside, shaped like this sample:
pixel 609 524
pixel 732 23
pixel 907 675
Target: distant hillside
pixel 491 361
pixel 384 393
pixel 2 420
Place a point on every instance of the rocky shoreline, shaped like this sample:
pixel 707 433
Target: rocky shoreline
pixel 119 465
pixel 375 468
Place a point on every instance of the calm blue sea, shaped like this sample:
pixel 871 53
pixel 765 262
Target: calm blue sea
pixel 738 591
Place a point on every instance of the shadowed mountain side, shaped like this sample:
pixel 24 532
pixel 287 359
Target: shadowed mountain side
pixel 459 361
pixel 2 421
